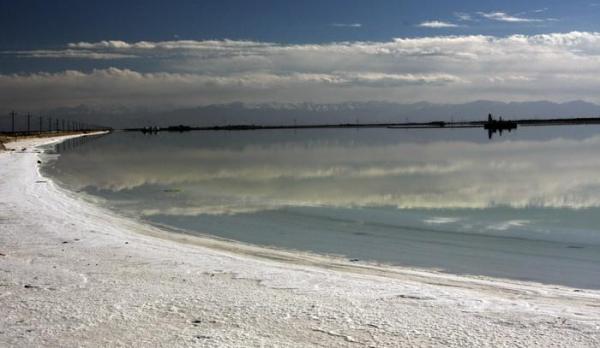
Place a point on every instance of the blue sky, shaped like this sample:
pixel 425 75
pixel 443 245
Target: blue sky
pixel 43 23
pixel 185 53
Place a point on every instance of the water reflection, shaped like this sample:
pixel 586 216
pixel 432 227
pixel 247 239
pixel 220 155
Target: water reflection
pixel 525 206
pixel 249 174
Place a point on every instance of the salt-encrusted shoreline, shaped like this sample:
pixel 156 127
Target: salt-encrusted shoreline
pixel 74 274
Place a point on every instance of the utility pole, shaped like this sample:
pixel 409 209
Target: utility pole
pixel 12 113
pixel 57 125
pixel 49 124
pixel 63 125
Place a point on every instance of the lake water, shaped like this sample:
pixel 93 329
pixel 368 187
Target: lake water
pixel 522 206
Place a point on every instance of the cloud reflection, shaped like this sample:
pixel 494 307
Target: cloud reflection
pixel 201 180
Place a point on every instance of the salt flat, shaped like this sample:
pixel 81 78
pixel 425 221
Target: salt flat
pixel 75 274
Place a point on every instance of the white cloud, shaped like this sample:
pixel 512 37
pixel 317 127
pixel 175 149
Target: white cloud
pixel 69 53
pixel 346 25
pixel 436 68
pixel 437 24
pixel 504 17
pixel 127 87
pixel 101 44
pixel 396 80
pixel 462 16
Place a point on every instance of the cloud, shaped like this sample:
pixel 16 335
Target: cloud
pixel 127 87
pixel 183 73
pixel 68 53
pixel 462 16
pixel 393 80
pixel 540 10
pixel 346 25
pixel 104 44
pixel 504 17
pixel 437 24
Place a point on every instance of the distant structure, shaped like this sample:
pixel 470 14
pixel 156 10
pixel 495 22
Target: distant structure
pixel 149 130
pixel 493 126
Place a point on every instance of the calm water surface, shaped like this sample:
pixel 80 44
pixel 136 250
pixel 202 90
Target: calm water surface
pixel 523 206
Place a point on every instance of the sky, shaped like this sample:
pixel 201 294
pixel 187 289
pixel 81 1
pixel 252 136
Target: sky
pixel 184 53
